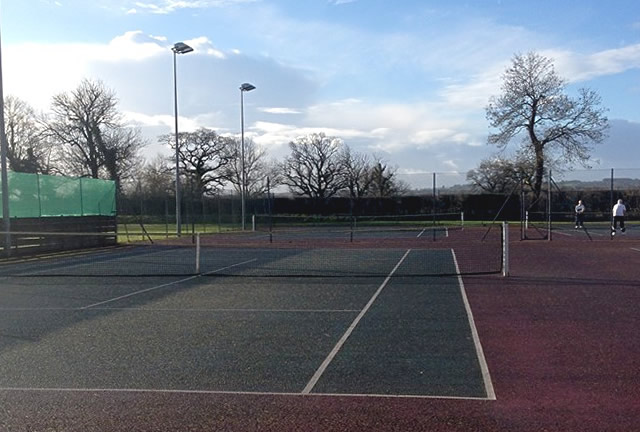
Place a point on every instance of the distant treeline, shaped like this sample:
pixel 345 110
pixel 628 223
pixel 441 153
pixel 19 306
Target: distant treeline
pixel 478 207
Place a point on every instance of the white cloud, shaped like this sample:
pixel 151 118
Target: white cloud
pixel 36 72
pixel 165 7
pixel 576 67
pixel 204 45
pixel 276 110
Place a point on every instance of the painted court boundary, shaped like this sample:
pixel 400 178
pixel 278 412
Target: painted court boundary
pixel 232 393
pixel 316 376
pixel 484 368
pixel 307 391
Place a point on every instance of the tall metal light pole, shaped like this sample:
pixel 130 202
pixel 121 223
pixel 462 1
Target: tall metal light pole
pixel 246 87
pixel 3 167
pixel 178 48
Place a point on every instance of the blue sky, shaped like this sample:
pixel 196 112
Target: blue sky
pixel 407 80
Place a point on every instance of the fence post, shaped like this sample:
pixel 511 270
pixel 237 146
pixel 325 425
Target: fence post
pixel 611 201
pixel 549 207
pixel 433 208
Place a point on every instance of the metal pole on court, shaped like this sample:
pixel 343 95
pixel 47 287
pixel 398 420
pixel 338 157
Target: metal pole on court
pixel 178 48
pixel 3 162
pixel 175 111
pixel 243 88
pixel 505 249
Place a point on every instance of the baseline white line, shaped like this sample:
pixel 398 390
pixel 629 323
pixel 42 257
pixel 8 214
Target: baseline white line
pixel 316 376
pixel 240 393
pixel 164 285
pixel 635 249
pixel 486 376
pixel 421 232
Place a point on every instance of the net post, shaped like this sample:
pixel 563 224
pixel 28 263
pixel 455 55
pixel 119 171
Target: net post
pixel 505 249
pixel 253 222
pixel 198 253
pixel 462 219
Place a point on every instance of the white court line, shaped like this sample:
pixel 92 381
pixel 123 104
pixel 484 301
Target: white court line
pixel 186 310
pixel 564 234
pixel 486 376
pixel 231 393
pixel 635 249
pixel 166 284
pixel 316 376
pixel 421 232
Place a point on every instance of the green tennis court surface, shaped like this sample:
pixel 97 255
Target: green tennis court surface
pixel 319 321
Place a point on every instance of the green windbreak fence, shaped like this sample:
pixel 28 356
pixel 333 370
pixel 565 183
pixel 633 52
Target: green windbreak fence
pixel 36 195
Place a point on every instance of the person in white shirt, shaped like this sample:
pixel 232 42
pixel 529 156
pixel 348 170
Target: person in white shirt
pixel 580 215
pixel 618 217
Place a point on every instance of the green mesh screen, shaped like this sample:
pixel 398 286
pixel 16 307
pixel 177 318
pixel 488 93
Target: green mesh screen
pixel 59 196
pixel 98 197
pixel 23 195
pixel 35 195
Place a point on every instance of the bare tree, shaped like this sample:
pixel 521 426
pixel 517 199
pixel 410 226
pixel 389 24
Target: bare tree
pixel 28 150
pixel 384 182
pixel 533 105
pixel 203 156
pixel 257 168
pixel 357 168
pixel 89 128
pixel 156 178
pixel 313 168
pixel 121 147
pixel 499 175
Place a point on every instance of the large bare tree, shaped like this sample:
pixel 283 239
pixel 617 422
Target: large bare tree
pixel 90 129
pixel 533 105
pixel 313 168
pixel 203 158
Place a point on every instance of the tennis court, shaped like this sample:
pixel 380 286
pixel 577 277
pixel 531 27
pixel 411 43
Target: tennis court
pixel 347 321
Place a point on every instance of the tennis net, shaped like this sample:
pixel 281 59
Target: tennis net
pixel 473 250
pixel 360 225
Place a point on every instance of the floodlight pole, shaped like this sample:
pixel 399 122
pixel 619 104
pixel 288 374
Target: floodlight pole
pixel 3 167
pixel 178 48
pixel 243 176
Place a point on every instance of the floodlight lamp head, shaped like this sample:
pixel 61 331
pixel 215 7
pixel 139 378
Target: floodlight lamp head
pixel 181 48
pixel 247 87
